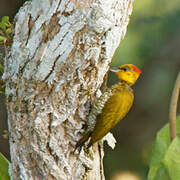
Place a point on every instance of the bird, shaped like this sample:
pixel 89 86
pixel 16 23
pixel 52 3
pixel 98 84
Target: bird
pixel 112 106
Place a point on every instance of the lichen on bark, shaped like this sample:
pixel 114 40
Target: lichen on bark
pixel 60 53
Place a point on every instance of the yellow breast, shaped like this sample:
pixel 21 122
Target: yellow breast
pixel 116 107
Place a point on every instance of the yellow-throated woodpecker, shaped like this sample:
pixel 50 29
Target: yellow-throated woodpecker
pixel 111 106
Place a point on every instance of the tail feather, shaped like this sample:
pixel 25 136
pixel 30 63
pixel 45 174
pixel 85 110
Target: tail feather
pixel 81 142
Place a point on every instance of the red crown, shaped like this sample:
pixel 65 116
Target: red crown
pixel 135 68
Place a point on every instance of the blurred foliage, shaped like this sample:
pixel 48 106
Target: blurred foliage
pixel 152 43
pixel 1 69
pixel 2 85
pixel 165 163
pixel 151 25
pixel 5 39
pixel 125 159
pixel 4 163
pixel 5 30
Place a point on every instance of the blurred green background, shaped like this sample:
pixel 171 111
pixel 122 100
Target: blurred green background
pixel 152 42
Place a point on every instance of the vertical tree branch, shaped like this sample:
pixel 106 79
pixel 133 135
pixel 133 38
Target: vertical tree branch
pixel 173 107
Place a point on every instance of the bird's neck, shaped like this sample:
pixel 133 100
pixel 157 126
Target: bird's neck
pixel 125 83
pixel 120 85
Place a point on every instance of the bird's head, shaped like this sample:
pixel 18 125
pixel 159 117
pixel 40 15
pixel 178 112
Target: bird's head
pixel 127 72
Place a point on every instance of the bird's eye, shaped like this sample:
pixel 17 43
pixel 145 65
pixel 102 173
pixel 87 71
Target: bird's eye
pixel 125 68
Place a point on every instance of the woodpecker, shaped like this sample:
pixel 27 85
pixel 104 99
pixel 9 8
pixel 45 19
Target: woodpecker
pixel 111 106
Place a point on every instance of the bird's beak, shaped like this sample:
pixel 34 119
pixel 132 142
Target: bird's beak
pixel 114 69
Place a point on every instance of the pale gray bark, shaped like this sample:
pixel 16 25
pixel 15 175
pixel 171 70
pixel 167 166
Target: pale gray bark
pixel 60 53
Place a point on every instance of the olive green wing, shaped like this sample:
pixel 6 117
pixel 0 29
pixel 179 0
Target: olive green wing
pixel 116 107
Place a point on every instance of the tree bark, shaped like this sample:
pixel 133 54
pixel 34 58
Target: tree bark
pixel 60 53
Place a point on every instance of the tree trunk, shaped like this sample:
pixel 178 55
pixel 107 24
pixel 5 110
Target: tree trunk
pixel 60 53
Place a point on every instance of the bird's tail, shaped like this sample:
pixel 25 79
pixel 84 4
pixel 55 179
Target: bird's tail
pixel 81 142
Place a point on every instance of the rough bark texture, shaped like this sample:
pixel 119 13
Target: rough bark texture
pixel 60 53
